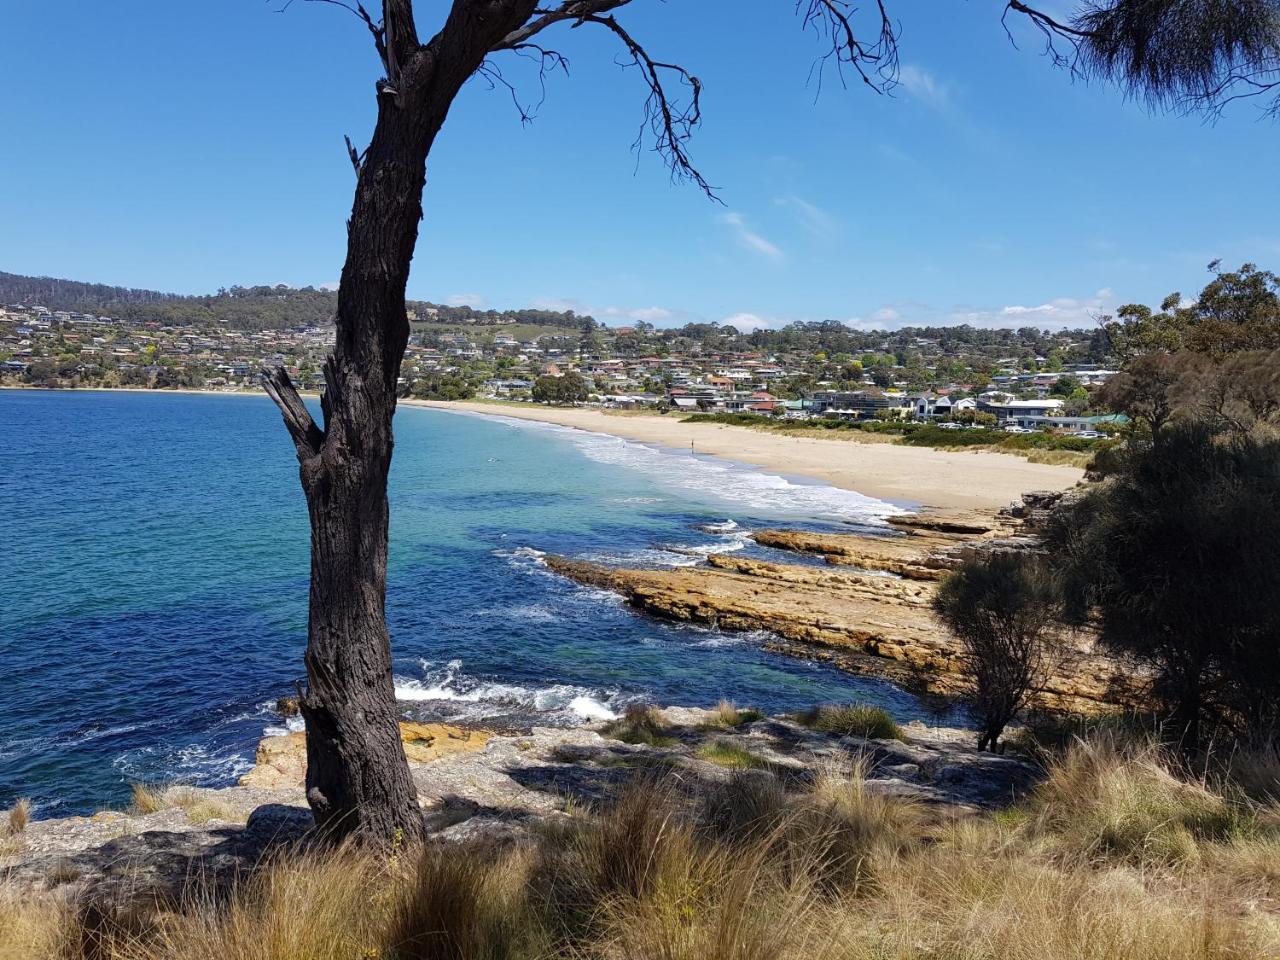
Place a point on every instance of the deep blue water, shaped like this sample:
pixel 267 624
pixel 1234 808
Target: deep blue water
pixel 154 571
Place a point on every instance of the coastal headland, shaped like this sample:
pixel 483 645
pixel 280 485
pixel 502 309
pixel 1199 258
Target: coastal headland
pixel 932 479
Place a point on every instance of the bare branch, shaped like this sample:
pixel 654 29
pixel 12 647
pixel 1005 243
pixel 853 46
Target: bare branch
pixel 357 158
pixel 307 437
pixel 356 8
pixel 547 60
pixel 876 62
pixel 669 121
pixel 569 10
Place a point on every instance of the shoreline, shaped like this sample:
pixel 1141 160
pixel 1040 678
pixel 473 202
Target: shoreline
pixel 925 478
pixel 936 480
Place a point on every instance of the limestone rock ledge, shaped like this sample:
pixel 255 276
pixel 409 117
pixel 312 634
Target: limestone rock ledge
pixel 872 616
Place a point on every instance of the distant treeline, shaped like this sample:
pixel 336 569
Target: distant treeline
pixel 249 308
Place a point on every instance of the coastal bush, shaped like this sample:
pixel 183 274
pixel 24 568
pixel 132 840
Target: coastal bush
pixel 640 724
pixel 1003 608
pixel 1173 559
pixel 853 720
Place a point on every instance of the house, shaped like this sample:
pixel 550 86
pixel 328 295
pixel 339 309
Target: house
pixel 1014 409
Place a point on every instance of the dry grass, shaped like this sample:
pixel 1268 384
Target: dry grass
pixel 148 798
pixel 17 818
pixel 752 870
pixel 199 808
pixel 1113 800
pixel 727 716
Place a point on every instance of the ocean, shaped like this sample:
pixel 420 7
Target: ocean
pixel 155 570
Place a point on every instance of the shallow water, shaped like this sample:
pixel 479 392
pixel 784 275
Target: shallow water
pixel 154 570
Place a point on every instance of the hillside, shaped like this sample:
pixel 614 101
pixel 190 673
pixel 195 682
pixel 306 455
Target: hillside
pixel 249 308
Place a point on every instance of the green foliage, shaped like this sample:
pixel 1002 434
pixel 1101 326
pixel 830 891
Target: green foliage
pixel 566 389
pixel 1176 555
pixel 446 386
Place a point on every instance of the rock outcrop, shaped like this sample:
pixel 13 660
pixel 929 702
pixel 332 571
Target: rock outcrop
pixel 282 761
pixel 873 618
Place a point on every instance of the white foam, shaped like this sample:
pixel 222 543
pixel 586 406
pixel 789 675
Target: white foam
pixel 460 696
pixel 762 493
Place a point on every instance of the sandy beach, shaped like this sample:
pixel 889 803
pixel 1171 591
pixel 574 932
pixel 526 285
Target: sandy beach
pixel 934 479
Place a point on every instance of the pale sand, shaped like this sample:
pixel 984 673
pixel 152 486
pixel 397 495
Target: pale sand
pixel 936 479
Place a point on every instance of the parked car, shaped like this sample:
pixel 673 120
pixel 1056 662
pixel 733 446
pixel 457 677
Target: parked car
pixel 951 425
pixel 1014 428
pixel 1089 435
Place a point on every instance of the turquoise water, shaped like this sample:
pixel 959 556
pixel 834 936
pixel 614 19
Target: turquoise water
pixel 155 576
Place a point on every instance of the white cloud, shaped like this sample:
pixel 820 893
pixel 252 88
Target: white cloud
pixel 812 217
pixel 1056 314
pixel 612 314
pixel 925 87
pixel 329 285
pixel 473 300
pixel 751 321
pixel 750 239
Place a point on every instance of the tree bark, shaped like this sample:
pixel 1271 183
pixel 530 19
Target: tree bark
pixel 358 781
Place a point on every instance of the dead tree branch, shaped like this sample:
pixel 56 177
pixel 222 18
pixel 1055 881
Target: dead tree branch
pixel 307 437
pixel 670 121
pixel 875 61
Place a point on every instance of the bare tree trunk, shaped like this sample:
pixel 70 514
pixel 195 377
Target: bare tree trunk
pixel 358 781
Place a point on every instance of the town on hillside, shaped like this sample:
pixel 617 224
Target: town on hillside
pixel 1019 380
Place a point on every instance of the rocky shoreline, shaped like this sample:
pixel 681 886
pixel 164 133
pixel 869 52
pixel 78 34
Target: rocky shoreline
pixel 478 785
pixel 867 608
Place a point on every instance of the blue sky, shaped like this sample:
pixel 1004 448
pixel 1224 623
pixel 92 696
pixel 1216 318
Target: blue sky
pixel 187 146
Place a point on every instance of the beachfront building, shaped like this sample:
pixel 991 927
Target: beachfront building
pixel 850 404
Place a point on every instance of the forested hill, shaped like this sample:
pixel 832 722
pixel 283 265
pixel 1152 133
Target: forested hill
pixel 251 308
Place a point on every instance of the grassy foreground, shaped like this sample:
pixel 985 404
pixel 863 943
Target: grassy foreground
pixel 1114 857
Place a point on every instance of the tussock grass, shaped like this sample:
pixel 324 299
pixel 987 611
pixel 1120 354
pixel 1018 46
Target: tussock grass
pixel 726 716
pixel 33 926
pixel 753 869
pixel 148 798
pixel 1113 800
pixel 640 724
pixel 852 720
pixel 16 820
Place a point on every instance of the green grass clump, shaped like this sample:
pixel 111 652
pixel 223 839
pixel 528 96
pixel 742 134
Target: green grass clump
pixel 726 753
pixel 853 720
pixel 640 724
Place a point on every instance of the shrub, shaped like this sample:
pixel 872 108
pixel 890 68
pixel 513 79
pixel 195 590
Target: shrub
pixel 1002 608
pixel 853 720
